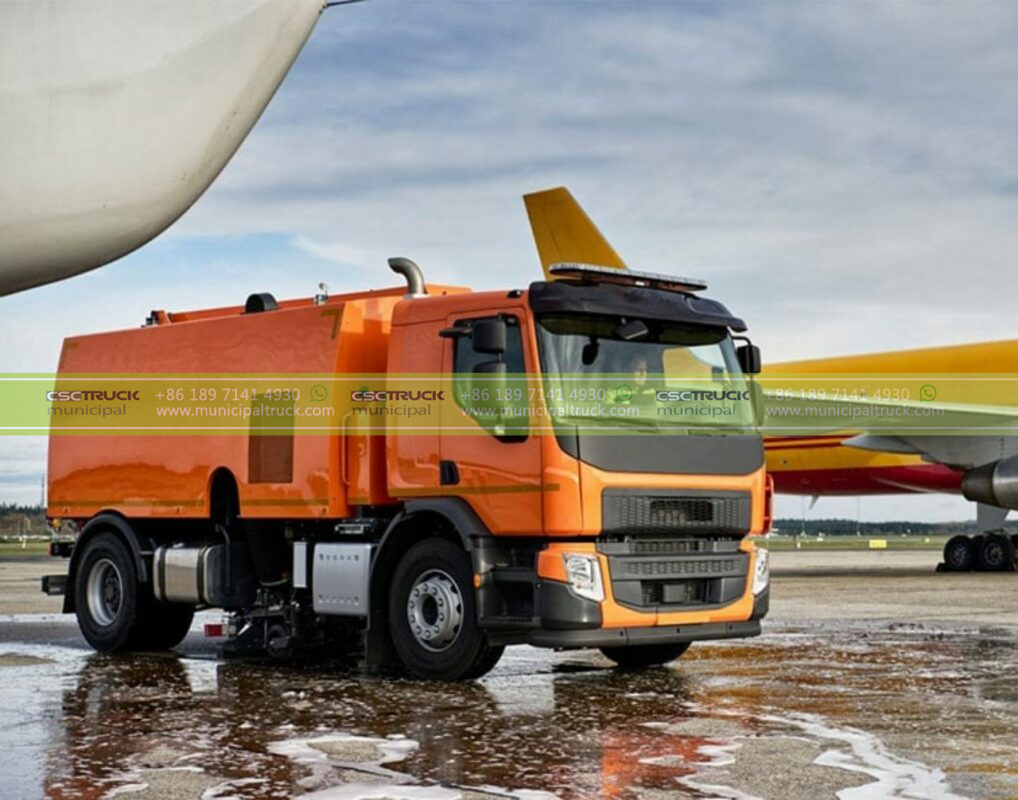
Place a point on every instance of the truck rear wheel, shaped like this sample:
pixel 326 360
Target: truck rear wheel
pixel 163 625
pixel 107 597
pixel 644 655
pixel 432 614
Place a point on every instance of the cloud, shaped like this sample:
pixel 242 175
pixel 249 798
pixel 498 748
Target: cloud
pixel 813 154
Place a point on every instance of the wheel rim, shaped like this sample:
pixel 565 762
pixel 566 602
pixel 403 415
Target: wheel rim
pixel 958 555
pixel 993 554
pixel 105 592
pixel 434 610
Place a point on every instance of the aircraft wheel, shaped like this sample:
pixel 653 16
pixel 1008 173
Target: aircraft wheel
pixel 996 553
pixel 960 554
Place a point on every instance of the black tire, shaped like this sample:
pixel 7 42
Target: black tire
pixel 959 554
pixel 107 595
pixel 164 624
pixel 996 553
pixel 485 663
pixel 458 650
pixel 644 655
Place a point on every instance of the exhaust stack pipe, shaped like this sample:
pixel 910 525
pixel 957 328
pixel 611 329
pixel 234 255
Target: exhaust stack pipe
pixel 994 484
pixel 414 277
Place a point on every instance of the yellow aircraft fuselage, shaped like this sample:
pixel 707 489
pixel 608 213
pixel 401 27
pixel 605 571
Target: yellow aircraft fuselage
pixel 820 465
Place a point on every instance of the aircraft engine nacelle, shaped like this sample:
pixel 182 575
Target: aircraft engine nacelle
pixel 995 484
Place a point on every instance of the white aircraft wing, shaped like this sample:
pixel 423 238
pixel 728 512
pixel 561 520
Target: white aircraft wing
pixel 115 116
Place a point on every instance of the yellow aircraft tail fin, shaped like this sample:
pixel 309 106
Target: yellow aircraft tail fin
pixel 564 233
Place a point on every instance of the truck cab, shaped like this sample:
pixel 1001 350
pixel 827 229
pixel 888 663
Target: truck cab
pixel 634 523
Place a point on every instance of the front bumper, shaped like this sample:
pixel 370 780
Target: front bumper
pixel 623 637
pixel 568 621
pixel 544 610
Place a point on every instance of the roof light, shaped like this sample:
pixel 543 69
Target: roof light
pixel 592 273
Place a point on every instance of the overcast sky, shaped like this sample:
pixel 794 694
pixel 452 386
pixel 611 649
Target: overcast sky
pixel 844 175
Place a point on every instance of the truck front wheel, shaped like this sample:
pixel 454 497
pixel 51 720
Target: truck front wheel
pixel 644 655
pixel 106 594
pixel 433 617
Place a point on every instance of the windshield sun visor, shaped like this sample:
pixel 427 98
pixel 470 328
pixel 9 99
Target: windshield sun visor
pixel 630 301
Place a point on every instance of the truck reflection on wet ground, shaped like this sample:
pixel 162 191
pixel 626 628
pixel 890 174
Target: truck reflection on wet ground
pixel 565 734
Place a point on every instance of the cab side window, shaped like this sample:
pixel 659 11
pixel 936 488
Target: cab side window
pixel 492 404
pixel 465 358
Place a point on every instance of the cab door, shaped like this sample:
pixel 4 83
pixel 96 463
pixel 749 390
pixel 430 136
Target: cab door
pixel 494 466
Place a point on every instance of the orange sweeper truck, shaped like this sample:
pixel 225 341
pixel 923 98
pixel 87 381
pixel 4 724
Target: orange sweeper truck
pixel 427 548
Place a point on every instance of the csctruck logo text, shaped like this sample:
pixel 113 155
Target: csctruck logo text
pixel 690 396
pixel 366 396
pixel 81 396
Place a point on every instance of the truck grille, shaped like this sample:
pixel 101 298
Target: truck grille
pixel 649 574
pixel 640 511
pixel 657 547
pixel 647 568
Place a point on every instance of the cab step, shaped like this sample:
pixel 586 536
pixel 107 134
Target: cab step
pixel 54 585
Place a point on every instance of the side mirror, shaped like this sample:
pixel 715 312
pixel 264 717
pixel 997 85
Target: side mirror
pixel 490 336
pixel 491 368
pixel 490 376
pixel 748 356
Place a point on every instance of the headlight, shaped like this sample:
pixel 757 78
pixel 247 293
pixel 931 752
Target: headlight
pixel 762 573
pixel 584 574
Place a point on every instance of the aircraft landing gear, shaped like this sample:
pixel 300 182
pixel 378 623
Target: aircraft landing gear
pixel 992 551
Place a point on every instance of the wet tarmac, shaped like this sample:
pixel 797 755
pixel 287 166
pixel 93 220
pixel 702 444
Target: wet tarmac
pixel 849 708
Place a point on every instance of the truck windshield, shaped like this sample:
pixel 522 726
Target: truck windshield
pixel 644 372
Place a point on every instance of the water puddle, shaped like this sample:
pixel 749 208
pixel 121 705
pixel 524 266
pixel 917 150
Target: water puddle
pixel 854 712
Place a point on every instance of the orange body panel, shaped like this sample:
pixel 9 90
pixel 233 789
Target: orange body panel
pixel 501 482
pixel 169 476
